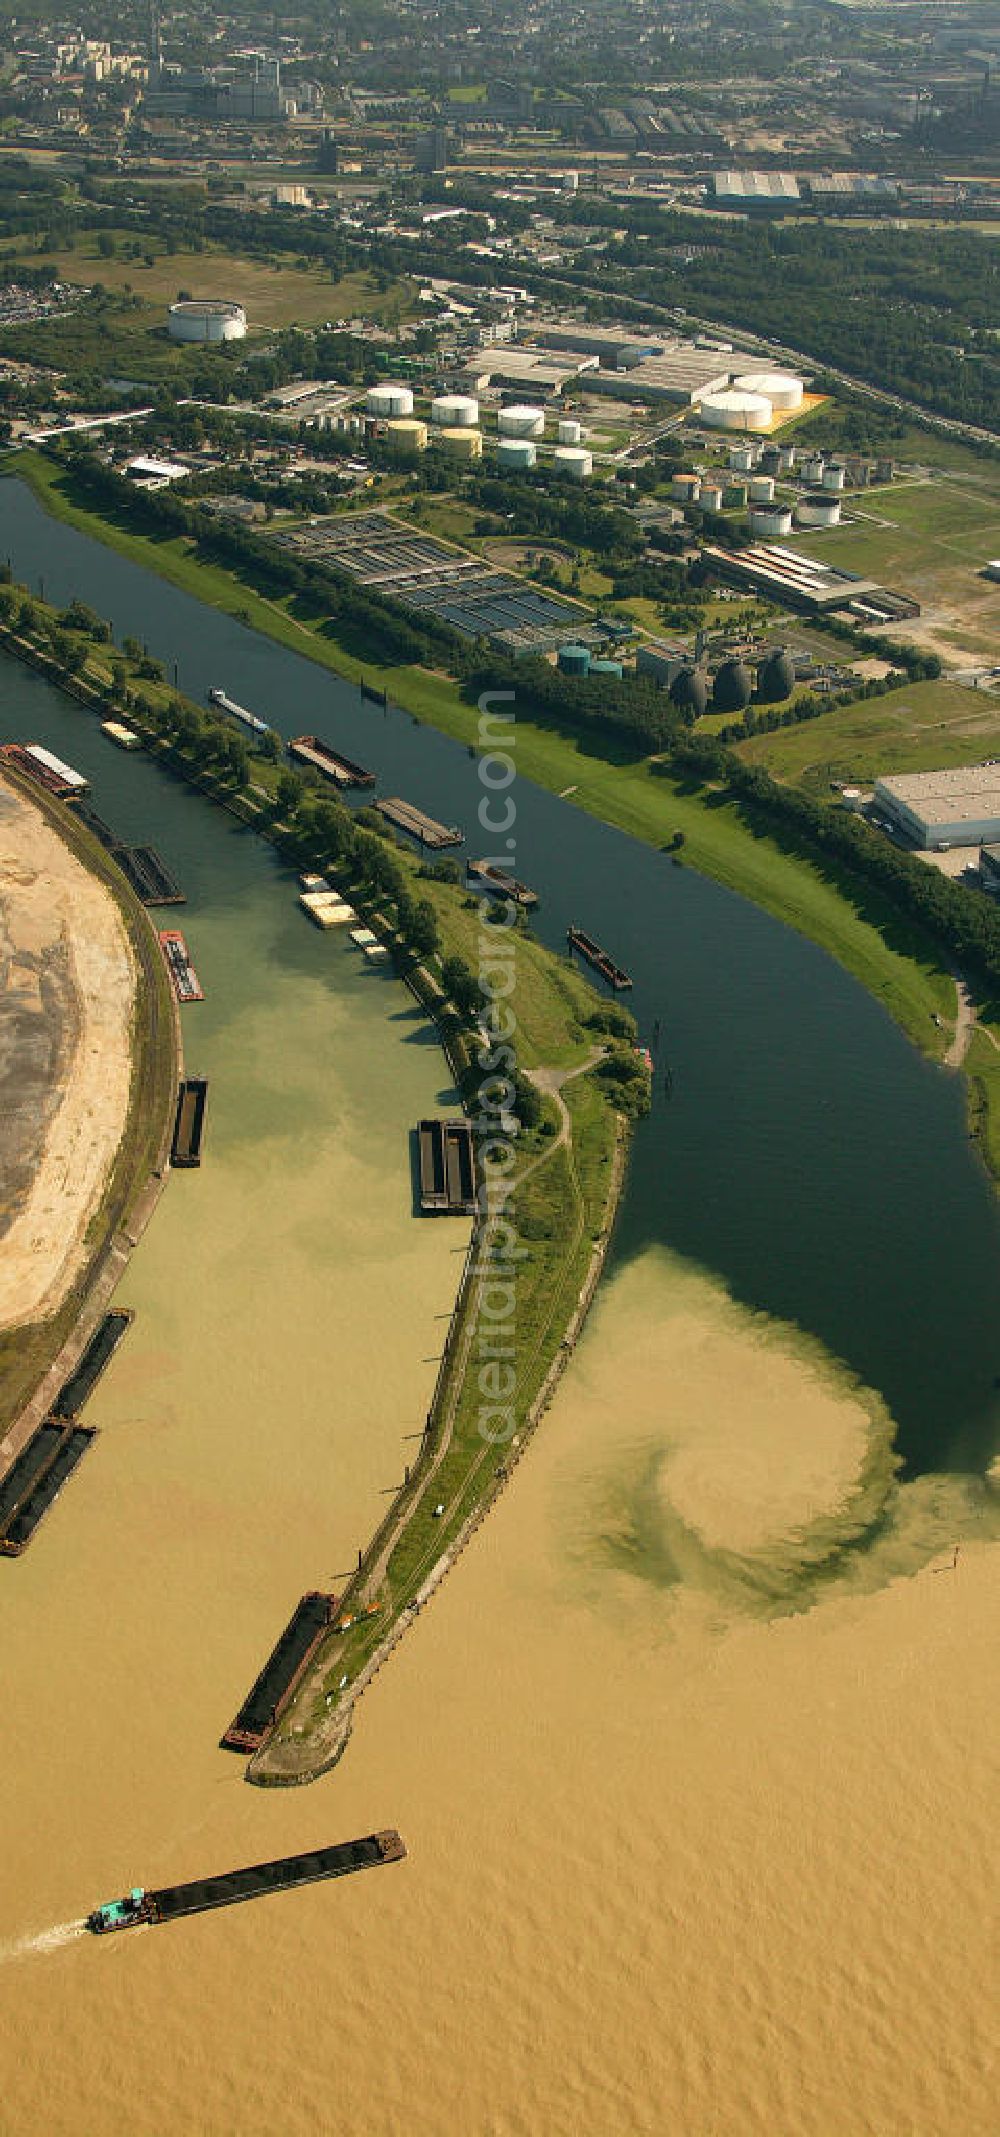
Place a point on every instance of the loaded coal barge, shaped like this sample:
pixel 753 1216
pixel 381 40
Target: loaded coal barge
pixel 140 1907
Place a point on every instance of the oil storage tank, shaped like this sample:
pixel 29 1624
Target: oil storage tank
pixel 210 319
pixel 729 410
pixel 818 508
pixel 466 444
pixel 521 421
pixel 574 461
pixel 514 455
pixel 389 400
pixel 570 431
pixel 408 433
pixel 455 411
pixel 782 388
pixel 769 521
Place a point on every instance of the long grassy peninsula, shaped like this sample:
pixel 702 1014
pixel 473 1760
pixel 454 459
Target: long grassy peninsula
pixel 576 1085
pixel 895 959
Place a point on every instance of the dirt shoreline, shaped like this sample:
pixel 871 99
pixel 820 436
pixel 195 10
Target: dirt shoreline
pixel 91 1274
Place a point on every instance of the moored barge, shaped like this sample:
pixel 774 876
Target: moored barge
pixel 36 1479
pixel 283 1670
pixel 139 1907
pixel 501 883
pixel 186 984
pixel 319 757
pixel 189 1122
pixel 598 958
pixel 423 828
pixel 45 769
pixel 233 711
pixel 447 1168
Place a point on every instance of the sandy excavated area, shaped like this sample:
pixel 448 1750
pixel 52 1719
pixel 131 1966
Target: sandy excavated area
pixel 67 992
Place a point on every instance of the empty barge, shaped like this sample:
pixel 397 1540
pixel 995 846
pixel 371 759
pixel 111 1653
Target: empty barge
pixel 281 1673
pixel 502 884
pixel 447 1168
pixel 319 757
pixel 98 1354
pixel 140 1907
pixel 189 1122
pixel 422 828
pixel 36 1478
pixel 233 711
pixel 598 958
pixel 186 984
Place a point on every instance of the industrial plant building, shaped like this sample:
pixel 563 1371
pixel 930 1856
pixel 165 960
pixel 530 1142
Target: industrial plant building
pixel 959 806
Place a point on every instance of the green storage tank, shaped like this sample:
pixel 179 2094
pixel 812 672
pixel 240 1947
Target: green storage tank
pixel 734 497
pixel 607 667
pixel 574 660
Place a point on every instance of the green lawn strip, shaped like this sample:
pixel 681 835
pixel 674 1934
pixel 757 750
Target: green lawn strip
pixel 718 842
pixel 918 728
pixel 982 1069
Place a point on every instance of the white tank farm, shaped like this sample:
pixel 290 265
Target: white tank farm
pixel 408 433
pixel 570 431
pixel 573 460
pixel 516 454
pixel 834 476
pixel 781 388
pixel 389 400
pixel 762 490
pixel 770 520
pixel 455 411
pixel 730 410
pixel 818 509
pixel 206 319
pixel 458 438
pixel 521 422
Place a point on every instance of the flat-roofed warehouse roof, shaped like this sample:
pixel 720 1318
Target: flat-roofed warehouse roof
pixel 960 803
pixel 766 188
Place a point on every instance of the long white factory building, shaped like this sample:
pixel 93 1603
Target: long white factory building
pixel 956 807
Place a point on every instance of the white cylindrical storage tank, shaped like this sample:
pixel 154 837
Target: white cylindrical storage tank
pixel 521 422
pixel 710 498
pixel 786 459
pixel 685 489
pixel 206 319
pixel 573 460
pixel 834 476
pixel 741 459
pixel 762 489
pixel 455 411
pixel 516 454
pixel 818 509
pixel 729 410
pixel 813 469
pixel 461 440
pixel 781 388
pixel 389 401
pixel 770 520
pixel 851 797
pixel 570 431
pixel 571 181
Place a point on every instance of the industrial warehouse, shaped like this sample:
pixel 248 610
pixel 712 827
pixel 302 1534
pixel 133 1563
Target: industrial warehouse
pixel 956 807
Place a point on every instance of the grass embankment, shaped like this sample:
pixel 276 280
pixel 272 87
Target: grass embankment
pixel 903 969
pixel 918 728
pixel 26 1353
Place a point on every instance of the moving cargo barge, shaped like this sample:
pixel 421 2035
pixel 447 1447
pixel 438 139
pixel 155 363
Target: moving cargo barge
pixel 100 1350
pixel 233 711
pixel 504 885
pixel 421 827
pixel 36 1478
pixel 309 750
pixel 186 984
pixel 73 1442
pixel 289 1871
pixel 447 1168
pixel 282 1671
pixel 189 1122
pixel 599 958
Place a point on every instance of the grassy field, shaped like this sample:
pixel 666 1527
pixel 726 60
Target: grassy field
pixel 293 292
pixel 909 976
pixel 915 729
pixel 928 538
